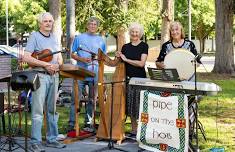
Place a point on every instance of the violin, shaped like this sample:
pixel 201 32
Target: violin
pixel 45 55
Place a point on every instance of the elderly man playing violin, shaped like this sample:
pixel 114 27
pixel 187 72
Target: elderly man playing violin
pixel 49 81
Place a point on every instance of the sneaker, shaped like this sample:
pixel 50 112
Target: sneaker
pixel 89 129
pixel 36 148
pixel 60 137
pixel 55 144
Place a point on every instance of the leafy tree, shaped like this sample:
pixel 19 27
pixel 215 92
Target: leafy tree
pixel 112 16
pixel 12 4
pixel 203 21
pixel 181 13
pixel 147 13
pixel 24 17
pixel 109 13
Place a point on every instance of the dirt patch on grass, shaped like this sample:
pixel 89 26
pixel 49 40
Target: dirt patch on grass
pixel 214 76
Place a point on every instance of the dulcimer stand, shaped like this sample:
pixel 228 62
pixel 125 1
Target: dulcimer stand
pixel 77 73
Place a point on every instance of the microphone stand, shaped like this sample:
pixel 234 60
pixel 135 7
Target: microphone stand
pixel 93 89
pixel 196 101
pixel 111 144
pixel 88 51
pixel 93 58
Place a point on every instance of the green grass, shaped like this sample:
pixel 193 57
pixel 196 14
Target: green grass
pixel 216 113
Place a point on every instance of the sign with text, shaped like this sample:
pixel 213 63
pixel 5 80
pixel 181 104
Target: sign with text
pixel 163 121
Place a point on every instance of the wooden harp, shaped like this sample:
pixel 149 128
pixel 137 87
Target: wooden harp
pixel 119 99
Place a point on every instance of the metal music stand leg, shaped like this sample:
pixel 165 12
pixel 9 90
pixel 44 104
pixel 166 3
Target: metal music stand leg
pixel 3 123
pixel 200 126
pixel 10 141
pixel 197 144
pixel 3 126
pixel 26 119
pixel 111 144
pixel 196 103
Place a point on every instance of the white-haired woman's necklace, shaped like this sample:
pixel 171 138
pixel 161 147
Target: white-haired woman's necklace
pixel 135 43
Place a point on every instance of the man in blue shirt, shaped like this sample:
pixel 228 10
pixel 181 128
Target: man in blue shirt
pixel 85 46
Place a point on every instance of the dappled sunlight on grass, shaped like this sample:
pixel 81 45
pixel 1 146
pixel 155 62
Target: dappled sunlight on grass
pixel 218 112
pixel 224 138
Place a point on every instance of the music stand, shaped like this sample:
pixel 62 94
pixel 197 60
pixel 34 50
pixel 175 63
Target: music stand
pixel 163 74
pixel 10 141
pixel 110 144
pixel 24 80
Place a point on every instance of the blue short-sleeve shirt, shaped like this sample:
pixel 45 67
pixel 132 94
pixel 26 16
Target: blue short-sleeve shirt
pixel 91 43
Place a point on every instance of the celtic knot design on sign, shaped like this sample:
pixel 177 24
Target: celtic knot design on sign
pixel 181 119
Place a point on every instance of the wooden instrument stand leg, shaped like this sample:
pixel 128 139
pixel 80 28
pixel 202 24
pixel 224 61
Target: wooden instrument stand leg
pixel 76 106
pixel 77 73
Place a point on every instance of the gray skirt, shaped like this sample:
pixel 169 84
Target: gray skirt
pixel 133 101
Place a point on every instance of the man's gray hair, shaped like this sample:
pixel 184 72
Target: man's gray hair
pixel 41 16
pixel 136 25
pixel 93 18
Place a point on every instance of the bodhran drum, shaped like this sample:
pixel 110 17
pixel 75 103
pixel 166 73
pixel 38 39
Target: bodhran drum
pixel 181 60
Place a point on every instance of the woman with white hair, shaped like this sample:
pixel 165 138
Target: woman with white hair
pixel 134 54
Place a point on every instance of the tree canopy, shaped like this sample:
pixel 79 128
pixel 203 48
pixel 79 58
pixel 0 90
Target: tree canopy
pixel 22 15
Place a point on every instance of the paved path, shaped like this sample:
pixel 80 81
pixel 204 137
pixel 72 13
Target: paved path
pixel 85 145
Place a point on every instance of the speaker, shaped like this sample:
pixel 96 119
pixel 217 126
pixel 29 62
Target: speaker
pixel 25 80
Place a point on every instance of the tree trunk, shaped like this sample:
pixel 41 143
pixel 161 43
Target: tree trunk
pixel 224 56
pixel 167 16
pixel 121 33
pixel 200 42
pixel 121 40
pixel 70 23
pixel 202 45
pixel 55 10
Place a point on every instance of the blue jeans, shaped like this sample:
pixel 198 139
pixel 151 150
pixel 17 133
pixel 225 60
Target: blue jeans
pixel 89 105
pixel 45 95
